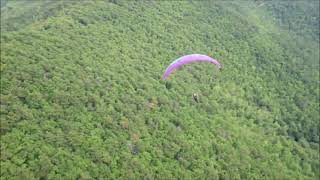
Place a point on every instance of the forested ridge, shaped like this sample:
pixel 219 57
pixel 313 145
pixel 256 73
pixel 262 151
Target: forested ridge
pixel 81 95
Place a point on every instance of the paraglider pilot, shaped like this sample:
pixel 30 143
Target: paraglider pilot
pixel 195 97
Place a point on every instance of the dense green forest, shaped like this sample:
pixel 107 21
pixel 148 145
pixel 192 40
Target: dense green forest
pixel 81 95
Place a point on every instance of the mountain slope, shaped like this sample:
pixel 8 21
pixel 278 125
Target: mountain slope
pixel 81 95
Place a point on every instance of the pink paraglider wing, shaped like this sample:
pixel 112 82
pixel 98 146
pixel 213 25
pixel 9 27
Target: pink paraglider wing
pixel 187 59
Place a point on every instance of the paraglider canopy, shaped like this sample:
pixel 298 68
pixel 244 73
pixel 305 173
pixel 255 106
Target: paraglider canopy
pixel 188 59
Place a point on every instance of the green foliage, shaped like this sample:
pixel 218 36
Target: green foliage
pixel 81 95
pixel 301 17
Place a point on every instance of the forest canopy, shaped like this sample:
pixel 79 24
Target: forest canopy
pixel 81 95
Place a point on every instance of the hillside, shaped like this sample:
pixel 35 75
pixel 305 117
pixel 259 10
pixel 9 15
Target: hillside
pixel 81 95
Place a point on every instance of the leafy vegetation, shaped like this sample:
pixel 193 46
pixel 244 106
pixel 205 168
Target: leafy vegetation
pixel 300 17
pixel 81 95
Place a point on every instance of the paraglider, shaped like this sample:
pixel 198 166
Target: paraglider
pixel 195 97
pixel 188 59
